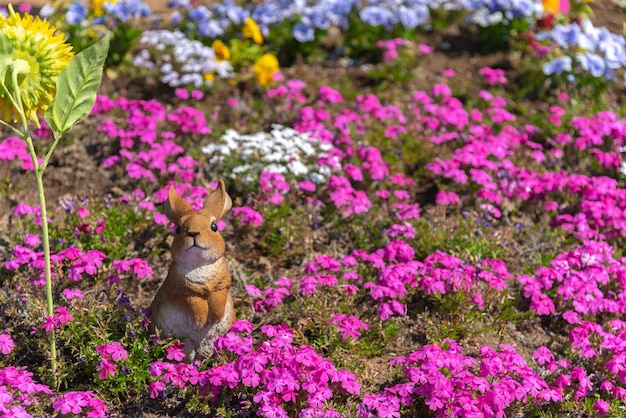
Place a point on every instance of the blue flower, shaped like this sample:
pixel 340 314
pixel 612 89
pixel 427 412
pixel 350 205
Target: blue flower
pixel 414 16
pixel 238 15
pixel 614 52
pixel 303 33
pixel 200 13
pixel 210 28
pixel 558 66
pixel 178 3
pixel 566 35
pixel 267 14
pixel 376 16
pixel 176 17
pixel 591 62
pixel 319 19
pixel 76 13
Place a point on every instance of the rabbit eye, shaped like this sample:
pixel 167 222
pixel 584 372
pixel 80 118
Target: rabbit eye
pixel 177 229
pixel 213 227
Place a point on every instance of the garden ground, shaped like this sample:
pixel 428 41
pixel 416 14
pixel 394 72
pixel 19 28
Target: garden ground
pixel 76 173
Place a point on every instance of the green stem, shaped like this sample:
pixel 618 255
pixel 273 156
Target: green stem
pixel 39 170
pixel 46 251
pixel 44 163
pixel 11 127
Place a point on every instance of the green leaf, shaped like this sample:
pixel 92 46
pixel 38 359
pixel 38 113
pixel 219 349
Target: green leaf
pixel 6 54
pixel 77 86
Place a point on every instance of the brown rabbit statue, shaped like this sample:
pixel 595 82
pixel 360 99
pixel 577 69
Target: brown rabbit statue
pixel 194 302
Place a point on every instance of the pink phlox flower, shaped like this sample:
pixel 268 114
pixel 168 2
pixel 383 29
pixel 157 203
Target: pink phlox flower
pixel 446 198
pixel 543 355
pixel 328 263
pixel 353 172
pixel 405 230
pixel 406 211
pixel 49 323
pixel 584 383
pixel 141 268
pixel 330 95
pixel 75 402
pixel 190 120
pixel 425 49
pixel 493 76
pixel 6 343
pixel 387 309
pixel 156 389
pixel 62 316
pixel 441 90
pixel 307 186
pixel 253 290
pixel 349 326
pixel 308 285
pixel 83 212
pixel 114 350
pixel 247 216
pixel 88 262
pixel 32 240
pixel 106 368
pixel 601 406
pixel 175 351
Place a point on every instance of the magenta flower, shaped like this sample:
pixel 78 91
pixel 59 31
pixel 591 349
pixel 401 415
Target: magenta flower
pixel 6 343
pixel 62 316
pixel 330 95
pixel 80 402
pixel 493 76
pixel 349 326
pixel 601 406
pixel 49 323
pixel 72 293
pixel 247 216
pixel 156 389
pixel 114 350
pixel 175 352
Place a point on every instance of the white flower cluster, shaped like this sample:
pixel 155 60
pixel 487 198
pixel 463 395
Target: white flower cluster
pixel 283 150
pixel 180 60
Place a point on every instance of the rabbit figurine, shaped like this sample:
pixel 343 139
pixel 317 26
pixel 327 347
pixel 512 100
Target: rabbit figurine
pixel 194 302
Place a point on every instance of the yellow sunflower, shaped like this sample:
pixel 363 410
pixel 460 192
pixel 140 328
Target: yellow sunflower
pixel 251 31
pixel 265 68
pixel 34 42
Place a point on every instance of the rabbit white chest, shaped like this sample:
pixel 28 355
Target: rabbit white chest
pixel 202 273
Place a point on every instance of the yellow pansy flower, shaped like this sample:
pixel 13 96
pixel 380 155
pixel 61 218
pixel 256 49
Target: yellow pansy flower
pixel 221 50
pixel 251 31
pixel 265 68
pixel 551 6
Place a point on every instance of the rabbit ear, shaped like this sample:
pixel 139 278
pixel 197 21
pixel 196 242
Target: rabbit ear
pixel 176 207
pixel 218 202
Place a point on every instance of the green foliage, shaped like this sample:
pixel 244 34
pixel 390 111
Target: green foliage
pixel 290 50
pixel 501 36
pixel 244 53
pixel 115 320
pixel 76 88
pixel 396 71
pixel 461 237
pixel 124 37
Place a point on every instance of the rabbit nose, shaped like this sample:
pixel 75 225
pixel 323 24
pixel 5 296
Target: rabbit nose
pixel 193 234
